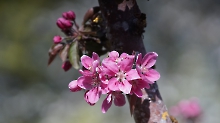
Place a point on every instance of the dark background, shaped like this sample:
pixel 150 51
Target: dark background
pixel 185 34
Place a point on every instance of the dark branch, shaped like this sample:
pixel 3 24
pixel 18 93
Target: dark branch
pixel 125 25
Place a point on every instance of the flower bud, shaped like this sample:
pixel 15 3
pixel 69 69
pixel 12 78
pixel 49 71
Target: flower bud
pixel 66 65
pixel 70 15
pixel 64 24
pixel 57 39
pixel 73 86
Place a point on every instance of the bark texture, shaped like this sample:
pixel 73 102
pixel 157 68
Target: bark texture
pixel 125 24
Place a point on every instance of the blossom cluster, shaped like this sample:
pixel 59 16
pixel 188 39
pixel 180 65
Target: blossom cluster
pixel 115 76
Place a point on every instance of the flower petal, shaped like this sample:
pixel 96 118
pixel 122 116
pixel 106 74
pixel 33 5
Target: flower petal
pixel 110 65
pixel 113 84
pixel 86 61
pixel 132 75
pixel 94 95
pixel 139 59
pixel 152 75
pixel 142 84
pixel 125 86
pixel 119 99
pixel 85 82
pixel 113 55
pixel 149 59
pixel 137 91
pixel 107 103
pixel 86 72
pixel 126 64
pixel 73 86
pixel 95 56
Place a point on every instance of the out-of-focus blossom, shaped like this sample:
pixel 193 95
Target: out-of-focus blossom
pixel 70 15
pixel 189 109
pixel 57 39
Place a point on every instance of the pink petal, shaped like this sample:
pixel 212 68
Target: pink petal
pixel 126 65
pixel 85 82
pixel 107 103
pixel 94 95
pixel 86 97
pixel 113 55
pixel 125 86
pixel 111 66
pixel 119 99
pixel 73 86
pixel 113 84
pixel 142 84
pixel 139 59
pixel 132 75
pixel 95 56
pixel 86 72
pixel 149 59
pixel 137 91
pixel 86 61
pixel 95 64
pixel 152 75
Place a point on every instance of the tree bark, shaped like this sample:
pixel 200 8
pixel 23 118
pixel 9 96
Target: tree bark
pixel 125 24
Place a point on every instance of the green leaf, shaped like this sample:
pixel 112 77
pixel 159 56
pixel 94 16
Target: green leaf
pixel 74 55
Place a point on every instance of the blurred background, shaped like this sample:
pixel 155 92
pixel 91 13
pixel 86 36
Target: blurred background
pixel 185 34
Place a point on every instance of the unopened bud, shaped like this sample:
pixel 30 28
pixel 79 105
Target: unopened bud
pixel 70 15
pixel 57 39
pixel 64 24
pixel 66 65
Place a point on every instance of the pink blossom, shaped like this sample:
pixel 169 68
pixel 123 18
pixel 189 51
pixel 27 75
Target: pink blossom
pixel 119 100
pixel 64 24
pixel 73 86
pixel 91 80
pixel 66 65
pixel 57 39
pixel 144 65
pixel 70 15
pixel 120 73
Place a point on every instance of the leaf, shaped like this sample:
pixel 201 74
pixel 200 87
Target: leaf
pixel 74 55
pixel 64 53
pixel 53 51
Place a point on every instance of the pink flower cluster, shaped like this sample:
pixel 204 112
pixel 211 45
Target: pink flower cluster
pixel 187 108
pixel 115 76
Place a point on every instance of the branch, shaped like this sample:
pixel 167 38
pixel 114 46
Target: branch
pixel 125 25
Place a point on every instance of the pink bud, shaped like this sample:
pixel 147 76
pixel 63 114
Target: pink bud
pixel 64 24
pixel 73 86
pixel 70 15
pixel 66 65
pixel 57 39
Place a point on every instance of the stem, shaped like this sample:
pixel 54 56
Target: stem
pixel 125 24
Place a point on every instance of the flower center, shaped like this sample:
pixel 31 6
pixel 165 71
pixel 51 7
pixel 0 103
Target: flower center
pixel 144 70
pixel 121 76
pixel 95 81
